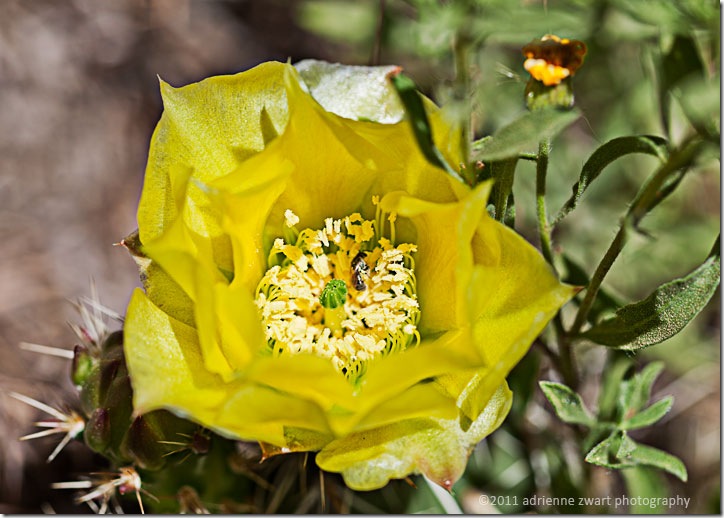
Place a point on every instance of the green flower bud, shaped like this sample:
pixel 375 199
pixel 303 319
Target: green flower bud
pixel 98 430
pixel 82 366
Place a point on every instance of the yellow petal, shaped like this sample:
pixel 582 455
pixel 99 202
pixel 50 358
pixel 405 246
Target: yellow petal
pixel 437 448
pixel 336 166
pixel 208 128
pixel 167 371
pixel 444 261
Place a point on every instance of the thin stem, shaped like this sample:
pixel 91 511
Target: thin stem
pixel 649 196
pixel 592 290
pixel 540 193
pixel 377 48
pixel 461 47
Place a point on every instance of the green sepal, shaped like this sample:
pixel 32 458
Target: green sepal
pixel 523 134
pixel 538 96
pixel 568 405
pixel 605 155
pixel 663 313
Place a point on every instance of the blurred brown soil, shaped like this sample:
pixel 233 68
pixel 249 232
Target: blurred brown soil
pixel 79 97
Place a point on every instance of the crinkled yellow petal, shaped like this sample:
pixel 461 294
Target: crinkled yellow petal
pixel 335 166
pixel 167 371
pixel 437 448
pixel 245 198
pixel 209 128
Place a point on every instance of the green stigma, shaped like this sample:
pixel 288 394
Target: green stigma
pixel 334 294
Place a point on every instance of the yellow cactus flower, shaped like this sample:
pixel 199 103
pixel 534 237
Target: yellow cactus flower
pixel 312 283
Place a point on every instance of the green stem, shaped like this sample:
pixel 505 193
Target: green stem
pixel 461 47
pixel 592 290
pixel 650 195
pixel 540 194
pixel 565 365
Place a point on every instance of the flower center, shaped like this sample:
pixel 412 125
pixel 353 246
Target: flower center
pixel 344 292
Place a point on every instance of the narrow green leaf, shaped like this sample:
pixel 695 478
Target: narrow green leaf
pixel 649 485
pixel 664 181
pixel 618 366
pixel 605 453
pixel 567 404
pixel 637 454
pixel 417 116
pixel 650 415
pixel 663 313
pixel 635 392
pixel 605 155
pixel 523 134
pixel 681 62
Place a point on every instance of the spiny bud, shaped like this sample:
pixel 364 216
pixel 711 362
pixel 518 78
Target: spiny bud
pixel 98 430
pixel 142 444
pixel 82 366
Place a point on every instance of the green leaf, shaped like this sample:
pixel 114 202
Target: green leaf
pixel 523 134
pixel 567 404
pixel 417 115
pixel 649 485
pixel 664 181
pixel 605 155
pixel 648 416
pixel 635 392
pixel 605 453
pixel 663 313
pixel 638 454
pixel 681 62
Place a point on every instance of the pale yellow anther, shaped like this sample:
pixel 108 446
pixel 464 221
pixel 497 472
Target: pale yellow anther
pixel 290 219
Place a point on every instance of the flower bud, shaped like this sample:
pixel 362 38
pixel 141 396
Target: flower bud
pixel 82 366
pixel 98 430
pixel 551 62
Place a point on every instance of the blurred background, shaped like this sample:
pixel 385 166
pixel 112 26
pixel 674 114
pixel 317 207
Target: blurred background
pixel 79 100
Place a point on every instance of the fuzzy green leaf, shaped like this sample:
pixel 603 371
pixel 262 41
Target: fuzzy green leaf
pixel 663 313
pixel 523 134
pixel 605 155
pixel 639 454
pixel 605 453
pixel 649 416
pixel 635 392
pixel 567 404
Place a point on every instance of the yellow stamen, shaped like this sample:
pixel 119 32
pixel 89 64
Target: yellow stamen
pixel 343 292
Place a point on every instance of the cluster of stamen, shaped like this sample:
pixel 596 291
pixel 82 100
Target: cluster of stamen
pixel 343 292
